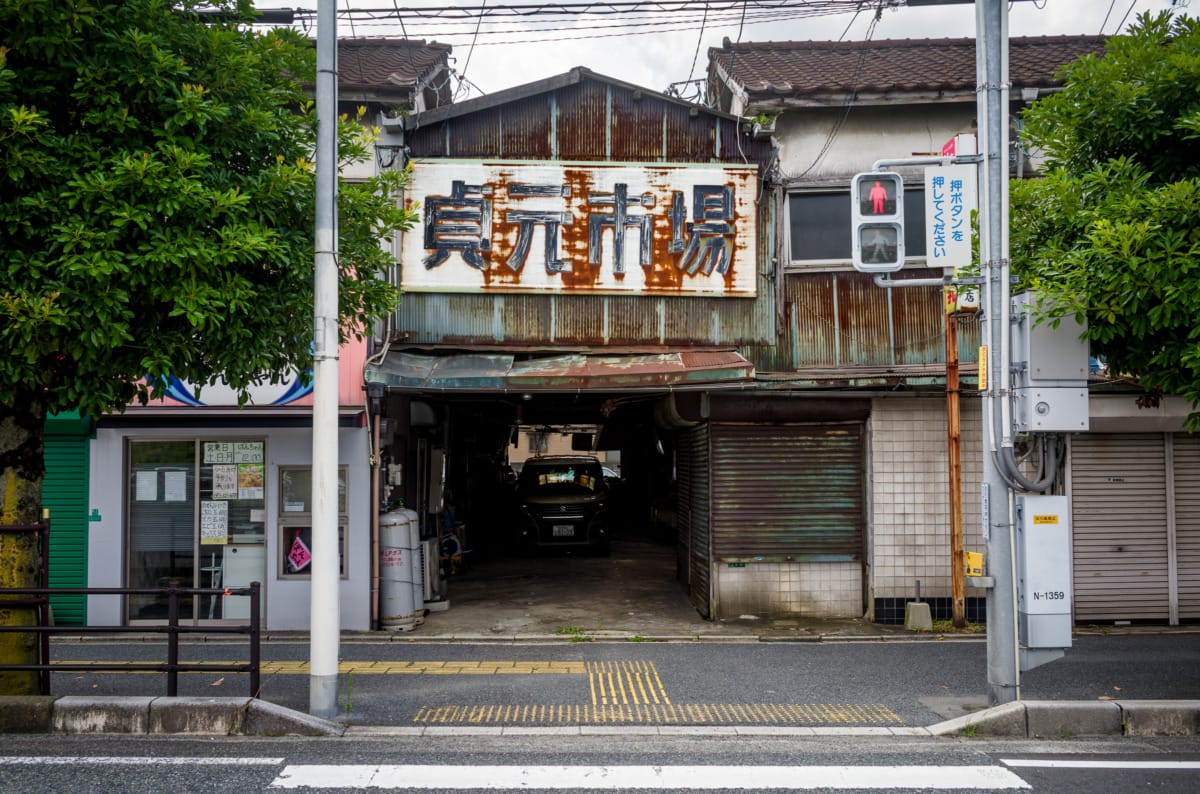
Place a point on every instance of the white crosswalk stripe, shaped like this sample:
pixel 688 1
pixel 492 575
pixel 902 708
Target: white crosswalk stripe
pixel 603 778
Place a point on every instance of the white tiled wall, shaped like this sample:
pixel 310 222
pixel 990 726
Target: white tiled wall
pixel 908 478
pixel 804 589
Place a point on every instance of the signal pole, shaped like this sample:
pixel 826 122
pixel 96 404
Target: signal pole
pixel 991 54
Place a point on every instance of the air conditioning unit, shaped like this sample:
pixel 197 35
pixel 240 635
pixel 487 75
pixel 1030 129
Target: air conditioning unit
pixel 431 569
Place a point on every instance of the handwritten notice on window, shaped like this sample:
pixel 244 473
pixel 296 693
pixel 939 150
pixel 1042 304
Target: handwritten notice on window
pixel 225 481
pixel 247 452
pixel 214 522
pixel 218 452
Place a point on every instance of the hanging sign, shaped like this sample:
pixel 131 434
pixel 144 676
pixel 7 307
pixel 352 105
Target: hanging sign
pixel 299 556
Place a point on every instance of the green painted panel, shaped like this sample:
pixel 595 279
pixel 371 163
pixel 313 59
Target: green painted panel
pixel 65 494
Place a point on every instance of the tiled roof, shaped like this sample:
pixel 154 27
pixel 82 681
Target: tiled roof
pixel 799 68
pixel 385 65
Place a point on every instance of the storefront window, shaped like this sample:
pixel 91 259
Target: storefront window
pixel 295 521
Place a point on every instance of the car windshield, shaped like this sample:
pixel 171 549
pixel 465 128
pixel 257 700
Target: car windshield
pixel 560 478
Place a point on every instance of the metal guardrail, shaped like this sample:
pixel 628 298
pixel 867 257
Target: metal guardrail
pixel 39 597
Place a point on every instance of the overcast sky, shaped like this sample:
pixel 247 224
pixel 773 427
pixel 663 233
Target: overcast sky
pixel 663 49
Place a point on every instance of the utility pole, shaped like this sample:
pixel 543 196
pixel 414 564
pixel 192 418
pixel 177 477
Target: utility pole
pixel 958 604
pixel 324 621
pixel 991 53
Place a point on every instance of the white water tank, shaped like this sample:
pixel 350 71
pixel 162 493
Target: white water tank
pixel 397 609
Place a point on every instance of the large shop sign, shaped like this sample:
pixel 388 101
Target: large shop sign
pixel 567 227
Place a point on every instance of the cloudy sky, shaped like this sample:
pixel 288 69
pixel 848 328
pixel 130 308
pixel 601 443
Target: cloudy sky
pixel 657 50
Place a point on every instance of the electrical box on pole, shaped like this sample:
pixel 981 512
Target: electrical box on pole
pixel 1043 540
pixel 1050 371
pixel 877 217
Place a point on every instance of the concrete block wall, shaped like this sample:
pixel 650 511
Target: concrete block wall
pixel 799 589
pixel 908 480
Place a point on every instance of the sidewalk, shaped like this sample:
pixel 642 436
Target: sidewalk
pixel 219 716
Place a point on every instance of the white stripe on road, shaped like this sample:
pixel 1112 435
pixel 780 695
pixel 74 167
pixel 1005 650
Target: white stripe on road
pixel 599 778
pixel 1050 763
pixel 117 760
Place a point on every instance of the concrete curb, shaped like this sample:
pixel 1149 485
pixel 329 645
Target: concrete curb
pixel 195 716
pixel 212 716
pixel 1070 719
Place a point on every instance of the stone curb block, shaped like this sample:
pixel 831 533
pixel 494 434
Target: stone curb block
pixel 267 719
pixel 1050 720
pixel 1004 720
pixel 26 713
pixel 1160 717
pixel 197 715
pixel 78 714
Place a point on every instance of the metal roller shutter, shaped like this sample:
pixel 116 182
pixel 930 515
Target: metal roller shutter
pixel 788 492
pixel 693 514
pixel 1187 524
pixel 1119 517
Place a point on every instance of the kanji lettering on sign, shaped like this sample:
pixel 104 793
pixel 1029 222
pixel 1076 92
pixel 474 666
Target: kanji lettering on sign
pixel 459 222
pixel 619 220
pixel 528 219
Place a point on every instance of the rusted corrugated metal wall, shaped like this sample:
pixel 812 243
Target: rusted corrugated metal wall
pixel 840 319
pixel 788 492
pixel 593 120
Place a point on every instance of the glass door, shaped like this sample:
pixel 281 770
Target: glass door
pixel 196 519
pixel 162 520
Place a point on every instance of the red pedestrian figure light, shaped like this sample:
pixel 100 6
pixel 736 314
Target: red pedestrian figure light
pixel 878 198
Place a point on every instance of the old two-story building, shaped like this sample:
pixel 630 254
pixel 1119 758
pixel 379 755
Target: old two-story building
pixel 195 491
pixel 834 109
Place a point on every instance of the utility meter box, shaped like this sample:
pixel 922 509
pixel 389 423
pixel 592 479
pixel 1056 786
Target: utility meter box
pixel 1050 369
pixel 1043 572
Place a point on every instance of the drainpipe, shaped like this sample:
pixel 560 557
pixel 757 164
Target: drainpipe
pixel 375 393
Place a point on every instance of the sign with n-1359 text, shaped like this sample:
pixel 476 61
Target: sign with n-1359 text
pixel 567 227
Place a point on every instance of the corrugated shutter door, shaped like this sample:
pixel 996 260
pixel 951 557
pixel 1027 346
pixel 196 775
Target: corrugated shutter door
pixel 692 513
pixel 788 492
pixel 1187 524
pixel 65 494
pixel 1119 515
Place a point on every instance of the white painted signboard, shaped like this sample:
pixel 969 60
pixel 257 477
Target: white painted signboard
pixel 575 227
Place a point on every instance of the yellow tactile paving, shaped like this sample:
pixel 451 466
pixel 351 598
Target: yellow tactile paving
pixel 795 714
pixel 625 683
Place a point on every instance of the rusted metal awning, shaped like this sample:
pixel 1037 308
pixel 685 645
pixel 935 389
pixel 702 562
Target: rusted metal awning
pixel 502 372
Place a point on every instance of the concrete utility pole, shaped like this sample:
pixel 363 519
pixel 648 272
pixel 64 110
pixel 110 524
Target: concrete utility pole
pixel 324 626
pixel 991 53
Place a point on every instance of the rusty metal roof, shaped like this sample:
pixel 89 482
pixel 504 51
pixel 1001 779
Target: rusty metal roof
pixel 501 372
pixel 811 68
pixel 575 76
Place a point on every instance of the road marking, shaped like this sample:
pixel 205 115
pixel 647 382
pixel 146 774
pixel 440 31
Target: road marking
pixel 113 760
pixel 603 778
pixel 1050 763
pixel 663 714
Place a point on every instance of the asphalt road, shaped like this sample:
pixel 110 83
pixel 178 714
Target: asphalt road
pixel 456 763
pixel 893 683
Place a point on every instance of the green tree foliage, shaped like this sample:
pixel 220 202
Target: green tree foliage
pixel 157 202
pixel 1112 233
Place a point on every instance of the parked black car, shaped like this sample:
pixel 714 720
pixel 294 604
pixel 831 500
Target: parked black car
pixel 563 503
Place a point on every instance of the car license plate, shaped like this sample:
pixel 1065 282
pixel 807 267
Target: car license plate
pixel 563 530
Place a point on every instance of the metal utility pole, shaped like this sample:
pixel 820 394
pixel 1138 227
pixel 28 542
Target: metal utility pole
pixel 991 48
pixel 324 626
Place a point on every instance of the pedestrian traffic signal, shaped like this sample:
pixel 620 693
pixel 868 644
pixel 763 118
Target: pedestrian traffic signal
pixel 877 217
